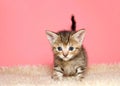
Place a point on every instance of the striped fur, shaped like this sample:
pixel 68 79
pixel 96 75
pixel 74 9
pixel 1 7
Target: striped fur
pixel 70 57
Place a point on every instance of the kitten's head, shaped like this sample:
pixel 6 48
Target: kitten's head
pixel 66 45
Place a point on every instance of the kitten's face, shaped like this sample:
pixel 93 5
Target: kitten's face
pixel 66 45
pixel 66 51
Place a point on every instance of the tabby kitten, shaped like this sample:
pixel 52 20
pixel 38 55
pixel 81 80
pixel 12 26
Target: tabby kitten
pixel 70 57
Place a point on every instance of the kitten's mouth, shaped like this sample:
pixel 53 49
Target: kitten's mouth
pixel 65 58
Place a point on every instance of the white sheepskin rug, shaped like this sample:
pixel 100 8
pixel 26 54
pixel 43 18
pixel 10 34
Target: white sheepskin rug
pixel 97 75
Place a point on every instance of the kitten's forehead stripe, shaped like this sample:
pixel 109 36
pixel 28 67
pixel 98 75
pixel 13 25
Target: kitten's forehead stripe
pixel 65 35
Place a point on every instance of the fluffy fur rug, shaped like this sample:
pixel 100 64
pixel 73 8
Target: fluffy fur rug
pixel 97 75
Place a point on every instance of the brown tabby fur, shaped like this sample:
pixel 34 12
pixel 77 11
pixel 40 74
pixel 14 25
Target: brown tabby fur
pixel 68 62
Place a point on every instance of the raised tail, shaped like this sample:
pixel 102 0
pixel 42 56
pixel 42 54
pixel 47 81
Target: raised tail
pixel 73 26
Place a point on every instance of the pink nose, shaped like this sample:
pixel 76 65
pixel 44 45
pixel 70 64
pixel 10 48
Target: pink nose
pixel 65 54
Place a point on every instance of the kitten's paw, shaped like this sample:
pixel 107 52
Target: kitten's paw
pixel 57 76
pixel 79 78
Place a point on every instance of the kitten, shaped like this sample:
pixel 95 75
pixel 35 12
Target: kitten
pixel 70 57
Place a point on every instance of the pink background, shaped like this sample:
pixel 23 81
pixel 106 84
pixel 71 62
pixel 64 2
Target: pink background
pixel 23 23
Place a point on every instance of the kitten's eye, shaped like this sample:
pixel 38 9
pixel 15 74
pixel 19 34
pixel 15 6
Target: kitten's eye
pixel 59 48
pixel 71 48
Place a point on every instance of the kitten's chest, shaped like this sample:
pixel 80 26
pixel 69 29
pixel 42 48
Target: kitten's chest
pixel 69 68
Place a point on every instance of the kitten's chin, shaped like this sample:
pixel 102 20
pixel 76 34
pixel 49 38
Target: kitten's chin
pixel 66 58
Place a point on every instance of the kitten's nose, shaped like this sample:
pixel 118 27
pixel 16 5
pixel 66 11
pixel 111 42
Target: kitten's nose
pixel 65 54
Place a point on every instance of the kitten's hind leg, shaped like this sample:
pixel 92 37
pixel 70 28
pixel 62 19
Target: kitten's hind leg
pixel 57 73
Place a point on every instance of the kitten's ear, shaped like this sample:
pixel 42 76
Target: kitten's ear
pixel 79 36
pixel 51 36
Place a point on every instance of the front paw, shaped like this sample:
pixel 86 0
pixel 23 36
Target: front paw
pixel 79 77
pixel 57 76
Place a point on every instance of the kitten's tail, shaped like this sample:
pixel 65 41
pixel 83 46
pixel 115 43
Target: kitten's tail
pixel 73 26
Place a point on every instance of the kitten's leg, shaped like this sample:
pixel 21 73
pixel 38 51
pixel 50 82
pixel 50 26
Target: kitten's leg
pixel 80 73
pixel 57 73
